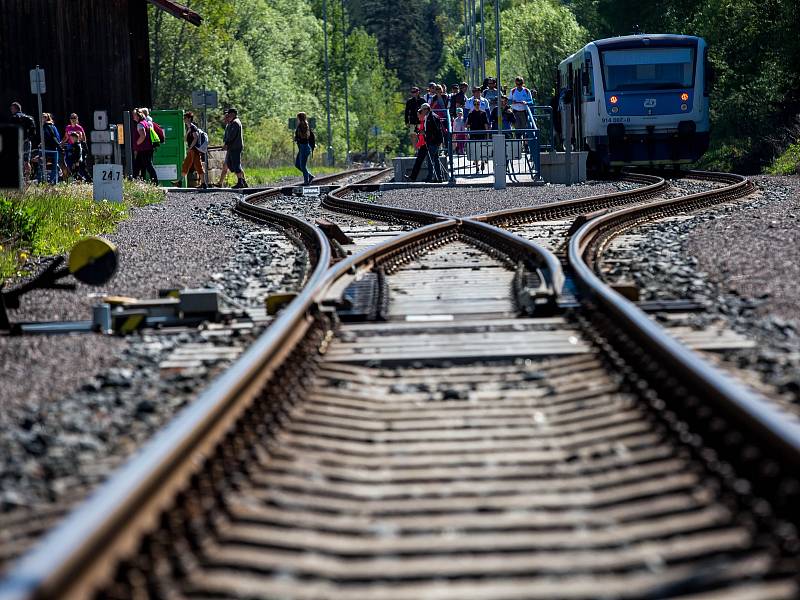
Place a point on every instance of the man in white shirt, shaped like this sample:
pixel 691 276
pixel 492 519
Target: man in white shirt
pixel 475 101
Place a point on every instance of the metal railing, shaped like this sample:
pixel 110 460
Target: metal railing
pixel 472 152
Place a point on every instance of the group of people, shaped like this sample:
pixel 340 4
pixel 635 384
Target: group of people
pixel 470 117
pixel 197 147
pixel 64 156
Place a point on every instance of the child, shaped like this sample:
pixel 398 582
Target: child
pixel 74 157
pixel 459 127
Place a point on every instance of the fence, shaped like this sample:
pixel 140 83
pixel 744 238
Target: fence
pixel 470 150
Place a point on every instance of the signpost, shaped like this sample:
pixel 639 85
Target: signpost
pixel 107 183
pixel 39 87
pixel 205 99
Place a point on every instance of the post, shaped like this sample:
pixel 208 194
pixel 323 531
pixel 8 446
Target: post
pixel 126 128
pixel 483 51
pixel 327 80
pixel 499 143
pixel 205 128
pixel 497 61
pixel 346 98
pixel 42 157
pixel 466 41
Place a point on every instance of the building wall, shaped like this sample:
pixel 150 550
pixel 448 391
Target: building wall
pixel 95 54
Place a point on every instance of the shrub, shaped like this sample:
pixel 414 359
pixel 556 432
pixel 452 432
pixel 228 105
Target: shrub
pixel 16 221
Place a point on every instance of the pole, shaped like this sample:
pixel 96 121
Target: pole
pixel 497 61
pixel 346 99
pixel 499 139
pixel 483 46
pixel 473 22
pixel 42 157
pixel 466 41
pixel 327 81
pixel 205 128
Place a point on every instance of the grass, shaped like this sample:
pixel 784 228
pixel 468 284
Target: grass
pixel 266 175
pixel 787 163
pixel 47 220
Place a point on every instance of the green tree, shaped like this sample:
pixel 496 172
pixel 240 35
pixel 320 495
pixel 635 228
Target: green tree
pixel 536 35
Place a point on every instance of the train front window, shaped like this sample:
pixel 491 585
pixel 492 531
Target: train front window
pixel 648 69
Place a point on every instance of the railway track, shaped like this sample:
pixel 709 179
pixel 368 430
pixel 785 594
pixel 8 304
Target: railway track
pixel 425 420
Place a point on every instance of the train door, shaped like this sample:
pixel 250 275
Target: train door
pixel 577 105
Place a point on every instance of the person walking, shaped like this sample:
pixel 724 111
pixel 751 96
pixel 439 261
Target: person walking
pixel 491 93
pixel 521 98
pixel 233 144
pixel 52 146
pixel 195 151
pixel 412 106
pixel 30 135
pixel 143 148
pixel 477 121
pixel 422 149
pixel 72 127
pixel 505 111
pixel 459 127
pixel 306 142
pixel 432 128
pixel 475 101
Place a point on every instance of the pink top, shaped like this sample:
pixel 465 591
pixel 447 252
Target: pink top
pixel 77 129
pixel 142 126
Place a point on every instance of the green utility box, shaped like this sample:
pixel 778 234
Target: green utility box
pixel 168 159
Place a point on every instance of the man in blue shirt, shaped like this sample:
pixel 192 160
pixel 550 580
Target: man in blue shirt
pixel 521 97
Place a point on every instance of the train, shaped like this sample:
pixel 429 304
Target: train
pixel 638 100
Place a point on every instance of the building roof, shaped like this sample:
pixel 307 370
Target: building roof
pixel 178 10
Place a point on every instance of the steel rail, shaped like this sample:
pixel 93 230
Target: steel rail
pixel 652 186
pixel 81 554
pixel 83 549
pixel 336 201
pixel 772 432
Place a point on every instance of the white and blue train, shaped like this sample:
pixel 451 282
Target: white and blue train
pixel 639 100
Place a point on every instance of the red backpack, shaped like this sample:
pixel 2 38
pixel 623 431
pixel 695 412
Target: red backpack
pixel 159 132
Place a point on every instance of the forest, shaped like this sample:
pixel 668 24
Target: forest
pixel 266 57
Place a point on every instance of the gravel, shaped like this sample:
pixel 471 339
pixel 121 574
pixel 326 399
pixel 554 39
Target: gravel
pixel 471 201
pixel 74 406
pixel 740 261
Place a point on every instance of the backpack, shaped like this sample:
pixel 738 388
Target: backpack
pixel 157 136
pixel 155 140
pixel 202 140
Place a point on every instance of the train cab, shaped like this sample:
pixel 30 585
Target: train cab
pixel 638 100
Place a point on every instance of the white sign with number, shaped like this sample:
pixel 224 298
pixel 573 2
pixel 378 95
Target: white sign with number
pixel 108 183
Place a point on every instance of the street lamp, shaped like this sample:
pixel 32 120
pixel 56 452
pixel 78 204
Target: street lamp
pixel 497 61
pixel 346 99
pixel 327 80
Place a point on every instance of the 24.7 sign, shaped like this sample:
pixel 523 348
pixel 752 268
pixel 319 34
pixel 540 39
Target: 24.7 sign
pixel 107 183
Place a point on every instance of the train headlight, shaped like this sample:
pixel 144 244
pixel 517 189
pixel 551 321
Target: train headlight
pixel 615 109
pixel 613 99
pixel 685 97
pixel 684 107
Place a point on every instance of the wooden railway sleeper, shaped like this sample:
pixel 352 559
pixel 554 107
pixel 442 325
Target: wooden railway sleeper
pixel 752 484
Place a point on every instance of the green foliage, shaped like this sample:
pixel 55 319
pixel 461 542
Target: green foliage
pixel 16 221
pixel 266 58
pixel 755 50
pixel 50 219
pixel 536 35
pixel 787 163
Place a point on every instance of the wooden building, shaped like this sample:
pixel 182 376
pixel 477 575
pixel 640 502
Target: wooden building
pixel 95 54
